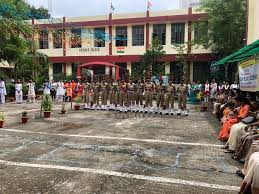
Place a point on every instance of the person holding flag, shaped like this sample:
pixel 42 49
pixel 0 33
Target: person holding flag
pixel 111 7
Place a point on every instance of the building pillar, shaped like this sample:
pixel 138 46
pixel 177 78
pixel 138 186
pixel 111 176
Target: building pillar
pixel 129 67
pixel 68 69
pixel 167 68
pixel 113 72
pixel 191 71
pixel 51 72
pixel 107 70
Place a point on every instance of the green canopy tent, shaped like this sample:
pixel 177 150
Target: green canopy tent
pixel 241 55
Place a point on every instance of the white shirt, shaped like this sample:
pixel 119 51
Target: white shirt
pixel 46 88
pixel 2 88
pixel 31 89
pixel 207 87
pixel 234 86
pixel 18 88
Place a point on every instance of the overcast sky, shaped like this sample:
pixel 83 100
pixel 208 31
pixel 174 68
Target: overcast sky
pixel 62 8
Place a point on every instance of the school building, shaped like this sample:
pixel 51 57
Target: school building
pixel 121 39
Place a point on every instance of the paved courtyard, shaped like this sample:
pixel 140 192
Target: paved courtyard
pixel 106 152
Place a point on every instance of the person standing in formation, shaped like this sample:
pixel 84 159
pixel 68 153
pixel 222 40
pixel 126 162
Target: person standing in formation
pixel 149 89
pixel 139 96
pixel 123 96
pixel 104 95
pixel 31 91
pixel 131 96
pixel 182 98
pixel 60 92
pixel 18 92
pixel 53 90
pixel 96 95
pixel 160 97
pixel 170 95
pixel 2 91
pixel 46 87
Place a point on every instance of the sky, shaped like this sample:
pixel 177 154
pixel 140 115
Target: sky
pixel 73 8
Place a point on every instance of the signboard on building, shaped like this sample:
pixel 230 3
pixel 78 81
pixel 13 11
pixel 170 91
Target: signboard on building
pixel 120 49
pixel 89 50
pixel 249 75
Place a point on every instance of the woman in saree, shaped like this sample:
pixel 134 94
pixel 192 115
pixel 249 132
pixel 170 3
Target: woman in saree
pixel 234 117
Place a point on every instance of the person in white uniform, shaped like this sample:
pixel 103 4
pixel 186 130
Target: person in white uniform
pixel 2 91
pixel 46 87
pixel 31 91
pixel 18 92
pixel 60 91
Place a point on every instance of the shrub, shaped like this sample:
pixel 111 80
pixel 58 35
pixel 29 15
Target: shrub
pixel 46 103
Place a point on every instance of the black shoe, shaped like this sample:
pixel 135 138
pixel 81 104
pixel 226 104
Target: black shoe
pixel 240 173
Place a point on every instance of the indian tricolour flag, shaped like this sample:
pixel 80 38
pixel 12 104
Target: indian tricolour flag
pixel 120 49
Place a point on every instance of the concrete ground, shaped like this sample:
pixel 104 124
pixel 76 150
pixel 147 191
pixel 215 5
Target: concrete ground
pixel 105 152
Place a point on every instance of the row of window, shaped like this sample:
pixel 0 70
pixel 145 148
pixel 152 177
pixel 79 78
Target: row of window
pixel 159 31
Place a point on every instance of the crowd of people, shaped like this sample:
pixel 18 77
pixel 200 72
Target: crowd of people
pixel 239 117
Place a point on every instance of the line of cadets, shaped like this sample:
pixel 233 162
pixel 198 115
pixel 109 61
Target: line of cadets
pixel 125 97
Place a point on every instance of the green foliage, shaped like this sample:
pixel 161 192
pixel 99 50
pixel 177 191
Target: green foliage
pixel 78 101
pixel 16 47
pixel 40 13
pixel 10 89
pixel 226 26
pixel 182 63
pixel 47 103
pixel 63 77
pixel 151 57
pixel 2 116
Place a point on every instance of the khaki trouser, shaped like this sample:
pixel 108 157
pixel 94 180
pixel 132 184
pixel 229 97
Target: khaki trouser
pixel 131 98
pixel 139 98
pixel 160 100
pixel 123 99
pixel 182 101
pixel 86 97
pixel 96 96
pixel 170 100
pixel 104 96
pixel 148 99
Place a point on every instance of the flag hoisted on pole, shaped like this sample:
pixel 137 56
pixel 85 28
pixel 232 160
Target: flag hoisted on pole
pixel 149 5
pixel 111 7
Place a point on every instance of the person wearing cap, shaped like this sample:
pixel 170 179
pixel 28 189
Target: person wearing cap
pixel 104 95
pixel 131 95
pixel 160 97
pixel 149 86
pixel 182 98
pixel 170 95
pixel 139 90
pixel 123 96
pixel 96 94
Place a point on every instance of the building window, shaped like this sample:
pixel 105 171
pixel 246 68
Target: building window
pixel 44 39
pixel 99 37
pixel 76 38
pixel 121 36
pixel 57 38
pixel 57 68
pixel 177 32
pixel 138 35
pixel 159 31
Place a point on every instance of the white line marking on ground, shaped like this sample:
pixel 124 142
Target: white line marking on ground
pixel 124 175
pixel 114 138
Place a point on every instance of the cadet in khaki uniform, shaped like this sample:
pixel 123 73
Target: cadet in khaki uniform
pixel 182 98
pixel 131 95
pixel 104 95
pixel 170 95
pixel 114 96
pixel 96 94
pixel 123 96
pixel 139 89
pixel 159 97
pixel 148 96
pixel 87 90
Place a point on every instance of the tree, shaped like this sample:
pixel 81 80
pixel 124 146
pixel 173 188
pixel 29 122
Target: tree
pixel 40 13
pixel 150 59
pixel 181 61
pixel 16 46
pixel 226 28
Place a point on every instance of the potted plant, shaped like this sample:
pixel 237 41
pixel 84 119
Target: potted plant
pixel 2 119
pixel 24 117
pixel 77 105
pixel 47 106
pixel 63 109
